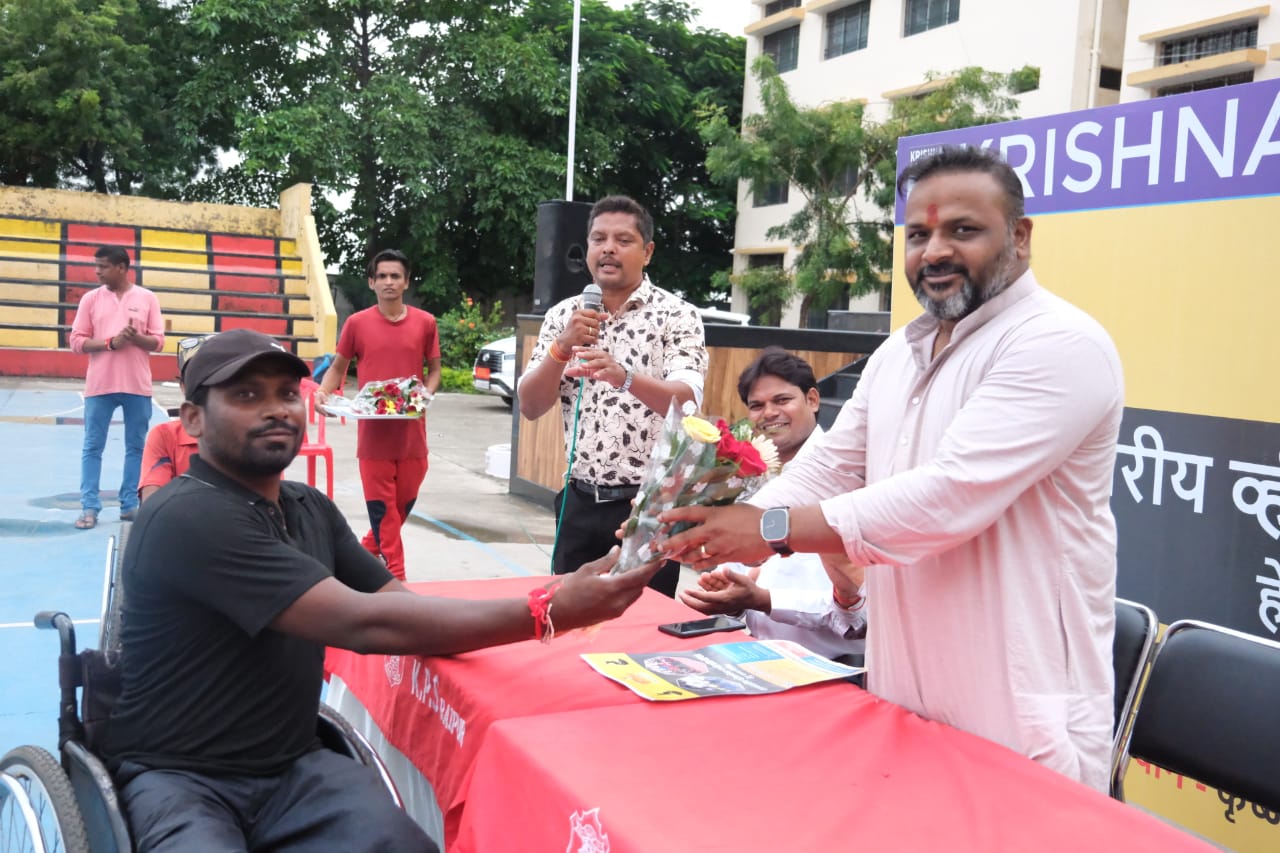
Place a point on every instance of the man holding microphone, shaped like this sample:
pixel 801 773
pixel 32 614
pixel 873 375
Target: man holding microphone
pixel 614 369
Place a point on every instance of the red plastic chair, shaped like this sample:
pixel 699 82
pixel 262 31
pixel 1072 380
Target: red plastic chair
pixel 318 448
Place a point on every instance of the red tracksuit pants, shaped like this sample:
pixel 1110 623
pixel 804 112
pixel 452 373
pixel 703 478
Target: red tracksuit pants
pixel 390 489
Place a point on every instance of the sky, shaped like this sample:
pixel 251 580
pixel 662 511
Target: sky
pixel 730 16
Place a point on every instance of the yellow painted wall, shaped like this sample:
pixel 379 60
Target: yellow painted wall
pixel 1181 289
pixel 135 210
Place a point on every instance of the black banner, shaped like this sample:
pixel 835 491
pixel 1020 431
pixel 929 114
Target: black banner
pixel 1197 505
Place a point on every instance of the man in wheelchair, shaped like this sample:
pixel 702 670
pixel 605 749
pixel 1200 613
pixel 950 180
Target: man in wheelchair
pixel 234 582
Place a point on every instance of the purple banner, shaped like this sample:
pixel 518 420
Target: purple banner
pixel 1220 143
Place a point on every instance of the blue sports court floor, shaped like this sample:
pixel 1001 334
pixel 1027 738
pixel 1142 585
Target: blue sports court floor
pixel 45 562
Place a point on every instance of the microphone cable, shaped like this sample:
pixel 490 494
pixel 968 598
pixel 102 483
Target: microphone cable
pixel 593 299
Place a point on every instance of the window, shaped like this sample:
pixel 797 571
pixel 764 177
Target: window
pixel 783 47
pixel 1109 78
pixel 1210 83
pixel 755 262
pixel 847 29
pixel 764 195
pixel 778 5
pixel 1208 44
pixel 928 14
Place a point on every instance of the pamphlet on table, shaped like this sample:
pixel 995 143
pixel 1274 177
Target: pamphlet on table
pixel 745 668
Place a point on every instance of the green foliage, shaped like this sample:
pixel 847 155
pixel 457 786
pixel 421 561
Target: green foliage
pixel 844 166
pixel 1024 79
pixel 438 125
pixel 466 328
pixel 90 97
pixel 767 288
pixel 457 380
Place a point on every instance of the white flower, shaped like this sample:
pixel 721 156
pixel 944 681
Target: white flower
pixel 768 453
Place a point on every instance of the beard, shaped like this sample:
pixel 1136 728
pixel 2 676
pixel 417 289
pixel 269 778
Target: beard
pixel 973 292
pixel 256 457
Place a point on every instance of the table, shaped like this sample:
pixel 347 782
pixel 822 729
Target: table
pixel 435 712
pixel 526 748
pixel 823 768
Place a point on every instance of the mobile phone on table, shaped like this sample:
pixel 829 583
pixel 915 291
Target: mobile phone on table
pixel 698 627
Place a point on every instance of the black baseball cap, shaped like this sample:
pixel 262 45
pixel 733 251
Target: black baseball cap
pixel 225 354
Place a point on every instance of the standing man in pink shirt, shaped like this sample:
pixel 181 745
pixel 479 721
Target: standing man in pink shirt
pixel 118 326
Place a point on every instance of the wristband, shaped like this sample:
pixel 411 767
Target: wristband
pixel 555 352
pixel 111 344
pixel 835 596
pixel 540 610
pixel 626 383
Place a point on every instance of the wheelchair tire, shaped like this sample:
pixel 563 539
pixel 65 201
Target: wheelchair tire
pixel 52 800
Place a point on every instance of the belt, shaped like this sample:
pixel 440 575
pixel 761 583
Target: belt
pixel 604 494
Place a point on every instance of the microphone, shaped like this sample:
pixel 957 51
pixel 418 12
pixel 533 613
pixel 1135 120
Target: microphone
pixel 593 297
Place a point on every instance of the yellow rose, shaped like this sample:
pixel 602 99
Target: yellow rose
pixel 700 430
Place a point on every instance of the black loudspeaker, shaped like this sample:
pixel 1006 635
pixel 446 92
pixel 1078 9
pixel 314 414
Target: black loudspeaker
pixel 560 253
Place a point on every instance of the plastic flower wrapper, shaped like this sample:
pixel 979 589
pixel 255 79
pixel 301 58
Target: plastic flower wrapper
pixel 406 397
pixel 694 463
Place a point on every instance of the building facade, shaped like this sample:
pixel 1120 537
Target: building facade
pixel 1089 53
pixel 1175 46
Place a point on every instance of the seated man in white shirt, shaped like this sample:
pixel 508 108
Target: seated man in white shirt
pixel 787 598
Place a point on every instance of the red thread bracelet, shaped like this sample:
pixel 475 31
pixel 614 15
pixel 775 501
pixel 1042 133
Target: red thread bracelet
pixel 540 610
pixel 857 599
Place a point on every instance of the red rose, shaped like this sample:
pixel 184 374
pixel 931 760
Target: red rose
pixel 741 453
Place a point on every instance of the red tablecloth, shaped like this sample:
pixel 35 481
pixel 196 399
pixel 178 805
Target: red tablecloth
pixel 437 710
pixel 824 768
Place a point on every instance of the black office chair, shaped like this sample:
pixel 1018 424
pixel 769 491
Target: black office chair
pixel 1131 651
pixel 1208 711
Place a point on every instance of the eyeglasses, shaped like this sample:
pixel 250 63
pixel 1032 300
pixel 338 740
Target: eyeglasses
pixel 187 347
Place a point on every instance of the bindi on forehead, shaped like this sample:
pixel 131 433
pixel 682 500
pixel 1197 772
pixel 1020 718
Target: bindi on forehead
pixel 931 215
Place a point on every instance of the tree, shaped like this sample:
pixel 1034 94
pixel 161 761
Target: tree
pixel 844 164
pixel 90 95
pixel 433 125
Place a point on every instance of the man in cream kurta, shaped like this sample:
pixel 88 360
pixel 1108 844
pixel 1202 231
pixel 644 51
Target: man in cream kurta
pixel 971 473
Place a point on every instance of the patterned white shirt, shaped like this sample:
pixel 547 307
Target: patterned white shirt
pixel 655 334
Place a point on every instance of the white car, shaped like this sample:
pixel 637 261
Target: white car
pixel 495 369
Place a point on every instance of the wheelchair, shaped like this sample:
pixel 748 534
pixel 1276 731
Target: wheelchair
pixel 71 805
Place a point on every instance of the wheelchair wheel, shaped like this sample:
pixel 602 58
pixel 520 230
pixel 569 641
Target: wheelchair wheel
pixel 52 823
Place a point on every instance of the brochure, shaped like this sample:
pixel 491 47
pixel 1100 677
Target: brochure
pixel 745 668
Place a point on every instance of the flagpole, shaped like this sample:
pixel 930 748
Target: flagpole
pixel 573 99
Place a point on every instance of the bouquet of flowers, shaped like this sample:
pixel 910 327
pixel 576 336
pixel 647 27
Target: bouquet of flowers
pixel 694 463
pixel 392 397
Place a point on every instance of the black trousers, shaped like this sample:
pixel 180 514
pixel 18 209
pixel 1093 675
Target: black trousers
pixel 587 531
pixel 324 802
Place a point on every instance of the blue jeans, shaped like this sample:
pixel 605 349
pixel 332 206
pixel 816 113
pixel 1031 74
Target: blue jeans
pixel 98 410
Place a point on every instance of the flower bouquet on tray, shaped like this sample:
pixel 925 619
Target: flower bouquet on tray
pixel 404 398
pixel 694 463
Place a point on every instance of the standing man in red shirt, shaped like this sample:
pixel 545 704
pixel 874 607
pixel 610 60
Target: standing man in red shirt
pixel 391 340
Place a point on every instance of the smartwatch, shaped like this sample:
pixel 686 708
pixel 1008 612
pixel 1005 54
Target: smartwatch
pixel 775 529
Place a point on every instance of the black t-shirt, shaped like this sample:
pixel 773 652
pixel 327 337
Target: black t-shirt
pixel 207 685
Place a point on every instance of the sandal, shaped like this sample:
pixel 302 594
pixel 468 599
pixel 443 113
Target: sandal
pixel 87 520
